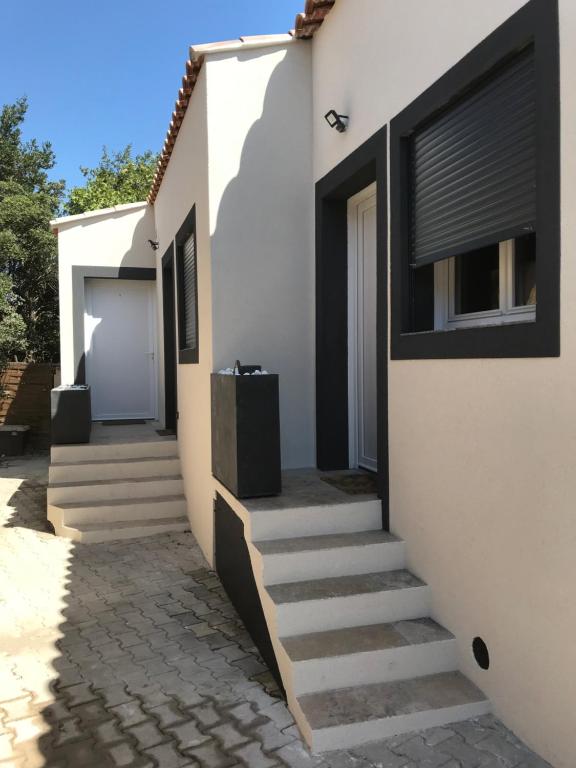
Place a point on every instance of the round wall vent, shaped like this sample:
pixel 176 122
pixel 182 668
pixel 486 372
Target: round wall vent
pixel 480 651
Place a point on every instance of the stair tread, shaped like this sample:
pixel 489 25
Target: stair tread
pixel 377 701
pixel 113 460
pixel 118 502
pixel 121 524
pixel 374 637
pixel 116 480
pixel 323 542
pixel 342 586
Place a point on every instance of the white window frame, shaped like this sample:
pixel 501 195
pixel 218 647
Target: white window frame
pixel 445 317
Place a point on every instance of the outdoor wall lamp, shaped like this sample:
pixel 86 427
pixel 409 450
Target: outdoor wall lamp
pixel 337 121
pixel 154 244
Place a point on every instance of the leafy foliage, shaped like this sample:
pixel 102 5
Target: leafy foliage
pixel 119 178
pixel 28 251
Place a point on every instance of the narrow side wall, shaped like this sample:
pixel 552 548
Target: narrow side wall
pixel 185 184
pixel 261 221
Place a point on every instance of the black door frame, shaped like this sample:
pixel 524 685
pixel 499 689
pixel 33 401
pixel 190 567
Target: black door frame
pixel 170 360
pixel 365 165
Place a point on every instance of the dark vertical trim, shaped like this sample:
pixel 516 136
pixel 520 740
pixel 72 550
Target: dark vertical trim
pixel 382 329
pixel 331 334
pixel 170 360
pixel 364 166
pixel 536 24
pixel 188 228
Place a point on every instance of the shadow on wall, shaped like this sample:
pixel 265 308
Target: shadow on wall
pixel 262 262
pixel 119 654
pixel 93 330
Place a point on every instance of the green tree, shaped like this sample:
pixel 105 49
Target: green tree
pixel 28 251
pixel 118 178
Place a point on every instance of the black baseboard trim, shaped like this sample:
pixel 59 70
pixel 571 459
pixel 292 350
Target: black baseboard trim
pixel 234 568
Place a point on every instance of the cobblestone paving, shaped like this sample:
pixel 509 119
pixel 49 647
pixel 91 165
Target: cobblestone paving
pixel 129 654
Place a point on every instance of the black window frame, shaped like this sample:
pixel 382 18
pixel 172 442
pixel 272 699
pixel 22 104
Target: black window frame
pixel 186 355
pixel 534 24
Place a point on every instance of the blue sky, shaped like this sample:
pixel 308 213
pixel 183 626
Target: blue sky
pixel 108 71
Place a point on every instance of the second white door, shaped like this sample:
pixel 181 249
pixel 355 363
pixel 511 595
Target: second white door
pixel 120 341
pixel 362 329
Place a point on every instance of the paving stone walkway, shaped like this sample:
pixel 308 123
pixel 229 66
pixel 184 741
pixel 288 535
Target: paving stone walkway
pixel 130 654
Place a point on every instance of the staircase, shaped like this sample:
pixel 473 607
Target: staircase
pixel 116 490
pixel 359 655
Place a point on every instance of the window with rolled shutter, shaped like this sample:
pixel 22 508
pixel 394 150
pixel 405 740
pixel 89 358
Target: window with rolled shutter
pixel 474 180
pixel 189 277
pixel 473 168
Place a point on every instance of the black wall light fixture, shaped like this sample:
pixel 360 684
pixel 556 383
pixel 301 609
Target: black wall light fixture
pixel 154 244
pixel 334 120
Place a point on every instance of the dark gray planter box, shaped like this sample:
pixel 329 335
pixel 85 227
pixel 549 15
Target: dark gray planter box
pixel 71 412
pixel 13 439
pixel 246 434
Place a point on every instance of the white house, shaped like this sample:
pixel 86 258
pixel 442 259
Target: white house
pixel 407 274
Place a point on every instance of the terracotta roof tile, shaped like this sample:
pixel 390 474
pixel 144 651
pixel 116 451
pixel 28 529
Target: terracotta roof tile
pixel 314 14
pixel 306 25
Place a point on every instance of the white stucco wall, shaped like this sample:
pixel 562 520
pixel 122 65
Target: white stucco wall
pixel 185 184
pixel 243 156
pixel 261 223
pixel 108 238
pixel 483 486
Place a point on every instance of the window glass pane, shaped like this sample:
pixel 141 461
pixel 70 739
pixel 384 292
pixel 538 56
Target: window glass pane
pixel 477 278
pixel 525 271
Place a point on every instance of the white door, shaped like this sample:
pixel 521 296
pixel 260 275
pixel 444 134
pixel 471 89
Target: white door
pixel 362 328
pixel 120 345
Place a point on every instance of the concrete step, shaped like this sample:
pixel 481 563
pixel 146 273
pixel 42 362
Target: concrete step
pixel 321 604
pixel 295 522
pixel 348 717
pixel 376 653
pixel 105 469
pixel 63 454
pixel 126 488
pixel 116 510
pixel 132 529
pixel 339 554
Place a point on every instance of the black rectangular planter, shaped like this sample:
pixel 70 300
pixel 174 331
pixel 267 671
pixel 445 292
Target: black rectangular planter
pixel 13 439
pixel 71 412
pixel 246 434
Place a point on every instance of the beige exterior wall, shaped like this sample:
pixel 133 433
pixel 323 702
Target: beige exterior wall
pixel 261 222
pixel 483 484
pixel 108 238
pixel 186 184
pixel 244 155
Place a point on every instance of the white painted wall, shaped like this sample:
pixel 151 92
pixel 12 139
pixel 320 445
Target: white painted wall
pixel 483 483
pixel 185 183
pixel 261 223
pixel 243 156
pixel 108 238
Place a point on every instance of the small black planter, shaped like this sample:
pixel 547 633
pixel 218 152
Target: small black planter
pixel 13 439
pixel 71 412
pixel 246 434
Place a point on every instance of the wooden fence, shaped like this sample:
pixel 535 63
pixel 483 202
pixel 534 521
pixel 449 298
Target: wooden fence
pixel 25 399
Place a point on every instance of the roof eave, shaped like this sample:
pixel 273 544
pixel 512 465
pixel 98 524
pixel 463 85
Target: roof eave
pixel 307 24
pixel 79 217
